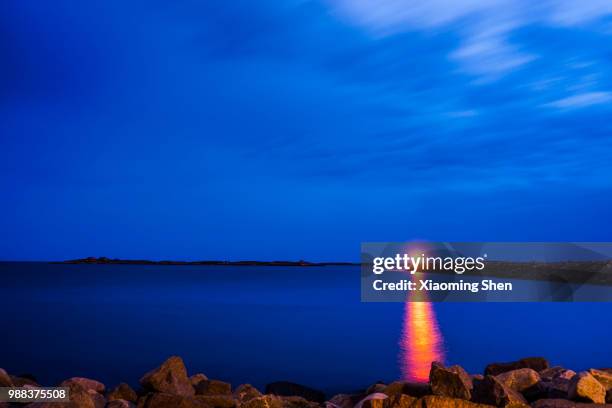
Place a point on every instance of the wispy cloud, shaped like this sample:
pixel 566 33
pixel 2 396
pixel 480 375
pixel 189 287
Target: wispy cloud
pixel 581 100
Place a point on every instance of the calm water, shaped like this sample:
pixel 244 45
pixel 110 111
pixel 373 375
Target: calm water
pixel 259 324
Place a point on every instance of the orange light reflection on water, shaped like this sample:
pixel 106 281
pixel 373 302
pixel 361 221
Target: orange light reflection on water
pixel 421 341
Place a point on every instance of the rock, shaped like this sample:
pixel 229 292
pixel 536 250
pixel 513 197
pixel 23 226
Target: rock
pixel 23 381
pixel 406 387
pixel 376 387
pixel 554 384
pixel 452 382
pixel 435 401
pixel 342 401
pixel 86 383
pixel 246 392
pixel 120 403
pixel 535 363
pixel 584 387
pixel 217 401
pixel 197 379
pixel 81 397
pixel 165 400
pixel 213 387
pixel 605 378
pixel 491 391
pixel 265 401
pixel 400 401
pixel 5 380
pixel 556 372
pixel 297 402
pixel 563 403
pixel 519 380
pixel 288 389
pixel 170 378
pixel 98 399
pixel 609 396
pixel 124 392
pixel 376 400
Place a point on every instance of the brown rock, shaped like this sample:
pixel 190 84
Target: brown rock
pixel 165 400
pixel 23 381
pixel 289 389
pixel 170 378
pixel 584 387
pixel 80 397
pixel 535 363
pixel 120 403
pixel 246 392
pixel 265 401
pixel 297 402
pixel 400 401
pixel 519 380
pixel 86 383
pixel 406 387
pixel 435 401
pixel 98 399
pixel 376 387
pixel 217 401
pixel 213 387
pixel 556 372
pixel 376 400
pixel 342 401
pixel 604 377
pixel 5 379
pixel 491 391
pixel 609 396
pixel 122 391
pixel 197 379
pixel 452 382
pixel 563 403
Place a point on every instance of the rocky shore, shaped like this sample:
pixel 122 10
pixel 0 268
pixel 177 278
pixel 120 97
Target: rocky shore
pixel 530 382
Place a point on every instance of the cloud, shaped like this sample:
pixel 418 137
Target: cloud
pixel 485 28
pixel 581 100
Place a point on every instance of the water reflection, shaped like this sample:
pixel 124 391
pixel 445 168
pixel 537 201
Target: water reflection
pixel 421 341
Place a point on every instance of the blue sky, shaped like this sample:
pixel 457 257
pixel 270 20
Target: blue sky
pixel 297 129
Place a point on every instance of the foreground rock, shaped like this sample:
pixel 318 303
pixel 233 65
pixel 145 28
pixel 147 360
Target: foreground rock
pixel 563 403
pixel 491 391
pixel 213 387
pixel 275 401
pixel 86 383
pixel 406 387
pixel 452 382
pixel 519 380
pixel 535 363
pixel 246 392
pixel 5 380
pixel 122 392
pixel 604 377
pixel 169 378
pixel 584 387
pixel 435 401
pixel 285 388
pixel 120 403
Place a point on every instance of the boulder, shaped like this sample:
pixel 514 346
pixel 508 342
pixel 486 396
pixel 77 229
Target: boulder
pixel 197 379
pixel 609 396
pixel 535 363
pixel 554 384
pixel 563 403
pixel 265 401
pixel 217 401
pixel 436 401
pixel 289 389
pixel 556 372
pixel 246 392
pixel 604 377
pixel 378 386
pixel 81 397
pixel 166 400
pixel 97 398
pixel 584 387
pixel 120 403
pixel 169 378
pixel 122 392
pixel 376 400
pixel 5 379
pixel 86 383
pixel 297 402
pixel 406 387
pixel 491 391
pixel 213 387
pixel 400 401
pixel 519 380
pixel 342 401
pixel 452 382
pixel 19 381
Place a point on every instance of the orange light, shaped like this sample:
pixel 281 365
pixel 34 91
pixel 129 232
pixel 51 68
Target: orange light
pixel 421 341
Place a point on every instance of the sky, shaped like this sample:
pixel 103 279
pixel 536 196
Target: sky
pixel 298 129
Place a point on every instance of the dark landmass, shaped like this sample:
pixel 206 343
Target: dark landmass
pixel 527 383
pixel 108 261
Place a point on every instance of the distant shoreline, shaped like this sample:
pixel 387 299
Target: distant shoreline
pixel 109 261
